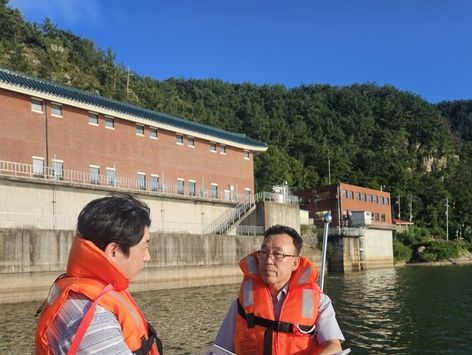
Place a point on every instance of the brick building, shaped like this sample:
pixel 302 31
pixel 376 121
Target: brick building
pixel 348 204
pixel 50 129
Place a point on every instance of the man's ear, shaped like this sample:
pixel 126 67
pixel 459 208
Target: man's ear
pixel 111 250
pixel 296 263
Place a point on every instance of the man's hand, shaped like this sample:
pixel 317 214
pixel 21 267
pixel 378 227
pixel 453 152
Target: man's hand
pixel 330 347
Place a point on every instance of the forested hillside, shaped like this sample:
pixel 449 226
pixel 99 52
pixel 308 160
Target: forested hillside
pixel 373 136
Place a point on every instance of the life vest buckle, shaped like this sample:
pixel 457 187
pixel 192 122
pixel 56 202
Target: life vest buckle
pixel 304 330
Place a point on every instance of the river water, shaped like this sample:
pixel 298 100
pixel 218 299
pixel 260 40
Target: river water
pixel 411 310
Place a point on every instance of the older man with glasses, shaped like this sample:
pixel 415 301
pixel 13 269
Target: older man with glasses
pixel 280 308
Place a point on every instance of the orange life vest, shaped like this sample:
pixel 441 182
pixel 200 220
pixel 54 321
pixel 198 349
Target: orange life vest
pixel 258 332
pixel 91 274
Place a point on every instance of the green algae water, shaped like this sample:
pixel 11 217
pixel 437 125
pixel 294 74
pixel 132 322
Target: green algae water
pixel 411 310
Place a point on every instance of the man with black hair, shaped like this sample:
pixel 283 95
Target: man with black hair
pixel 280 308
pixel 89 309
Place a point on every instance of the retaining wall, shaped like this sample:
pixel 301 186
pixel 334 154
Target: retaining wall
pixel 31 259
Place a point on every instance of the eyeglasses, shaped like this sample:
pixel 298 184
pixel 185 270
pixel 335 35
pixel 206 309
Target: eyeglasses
pixel 263 255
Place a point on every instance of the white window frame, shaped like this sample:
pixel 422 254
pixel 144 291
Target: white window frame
pixel 34 166
pixel 180 180
pixel 213 185
pixel 194 183
pixel 213 147
pixel 36 101
pixel 92 181
pixel 151 130
pixel 157 187
pixel 246 154
pixel 93 115
pixel 141 187
pixel 59 176
pixel 179 139
pixel 113 182
pixel 223 149
pixel 140 127
pixel 109 119
pixel 191 142
pixel 55 105
pixel 247 193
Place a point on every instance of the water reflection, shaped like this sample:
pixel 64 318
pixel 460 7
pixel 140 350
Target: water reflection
pixel 426 310
pixel 369 307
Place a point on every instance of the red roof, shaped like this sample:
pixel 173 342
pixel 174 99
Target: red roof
pixel 401 222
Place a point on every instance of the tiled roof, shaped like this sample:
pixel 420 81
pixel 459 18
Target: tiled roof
pixel 69 93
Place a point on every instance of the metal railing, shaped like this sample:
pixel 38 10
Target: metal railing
pixel 250 230
pixel 226 220
pixel 346 231
pixel 59 175
pixel 278 198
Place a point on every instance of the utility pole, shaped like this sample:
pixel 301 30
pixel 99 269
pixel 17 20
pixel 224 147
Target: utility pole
pixel 329 172
pixel 399 207
pixel 411 208
pixel 447 218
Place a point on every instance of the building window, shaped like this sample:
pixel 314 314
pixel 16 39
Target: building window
pixel 179 139
pixel 153 132
pixel 382 217
pixel 93 118
pixel 109 122
pixel 387 201
pixel 376 199
pixel 246 154
pixel 212 147
pixel 369 198
pixel 350 195
pixel 36 105
pixel 247 194
pixel 358 196
pixel 214 191
pixel 56 110
pixel 364 197
pixel 139 130
pixel 111 177
pixel 155 182
pixel 192 188
pixel 222 149
pixel 94 174
pixel 180 186
pixel 38 166
pixel 191 141
pixel 58 169
pixel 343 194
pixel 141 181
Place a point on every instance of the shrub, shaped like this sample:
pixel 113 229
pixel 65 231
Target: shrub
pixel 414 235
pixel 429 256
pixel 401 251
pixel 441 250
pixel 468 233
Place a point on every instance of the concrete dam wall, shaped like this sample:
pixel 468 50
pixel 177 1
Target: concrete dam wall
pixel 31 259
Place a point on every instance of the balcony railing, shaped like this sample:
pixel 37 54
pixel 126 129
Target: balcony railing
pixel 60 175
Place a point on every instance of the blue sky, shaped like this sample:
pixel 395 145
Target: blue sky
pixel 421 46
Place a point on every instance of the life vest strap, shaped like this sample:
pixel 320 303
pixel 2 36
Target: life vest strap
pixel 147 344
pixel 86 320
pixel 273 325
